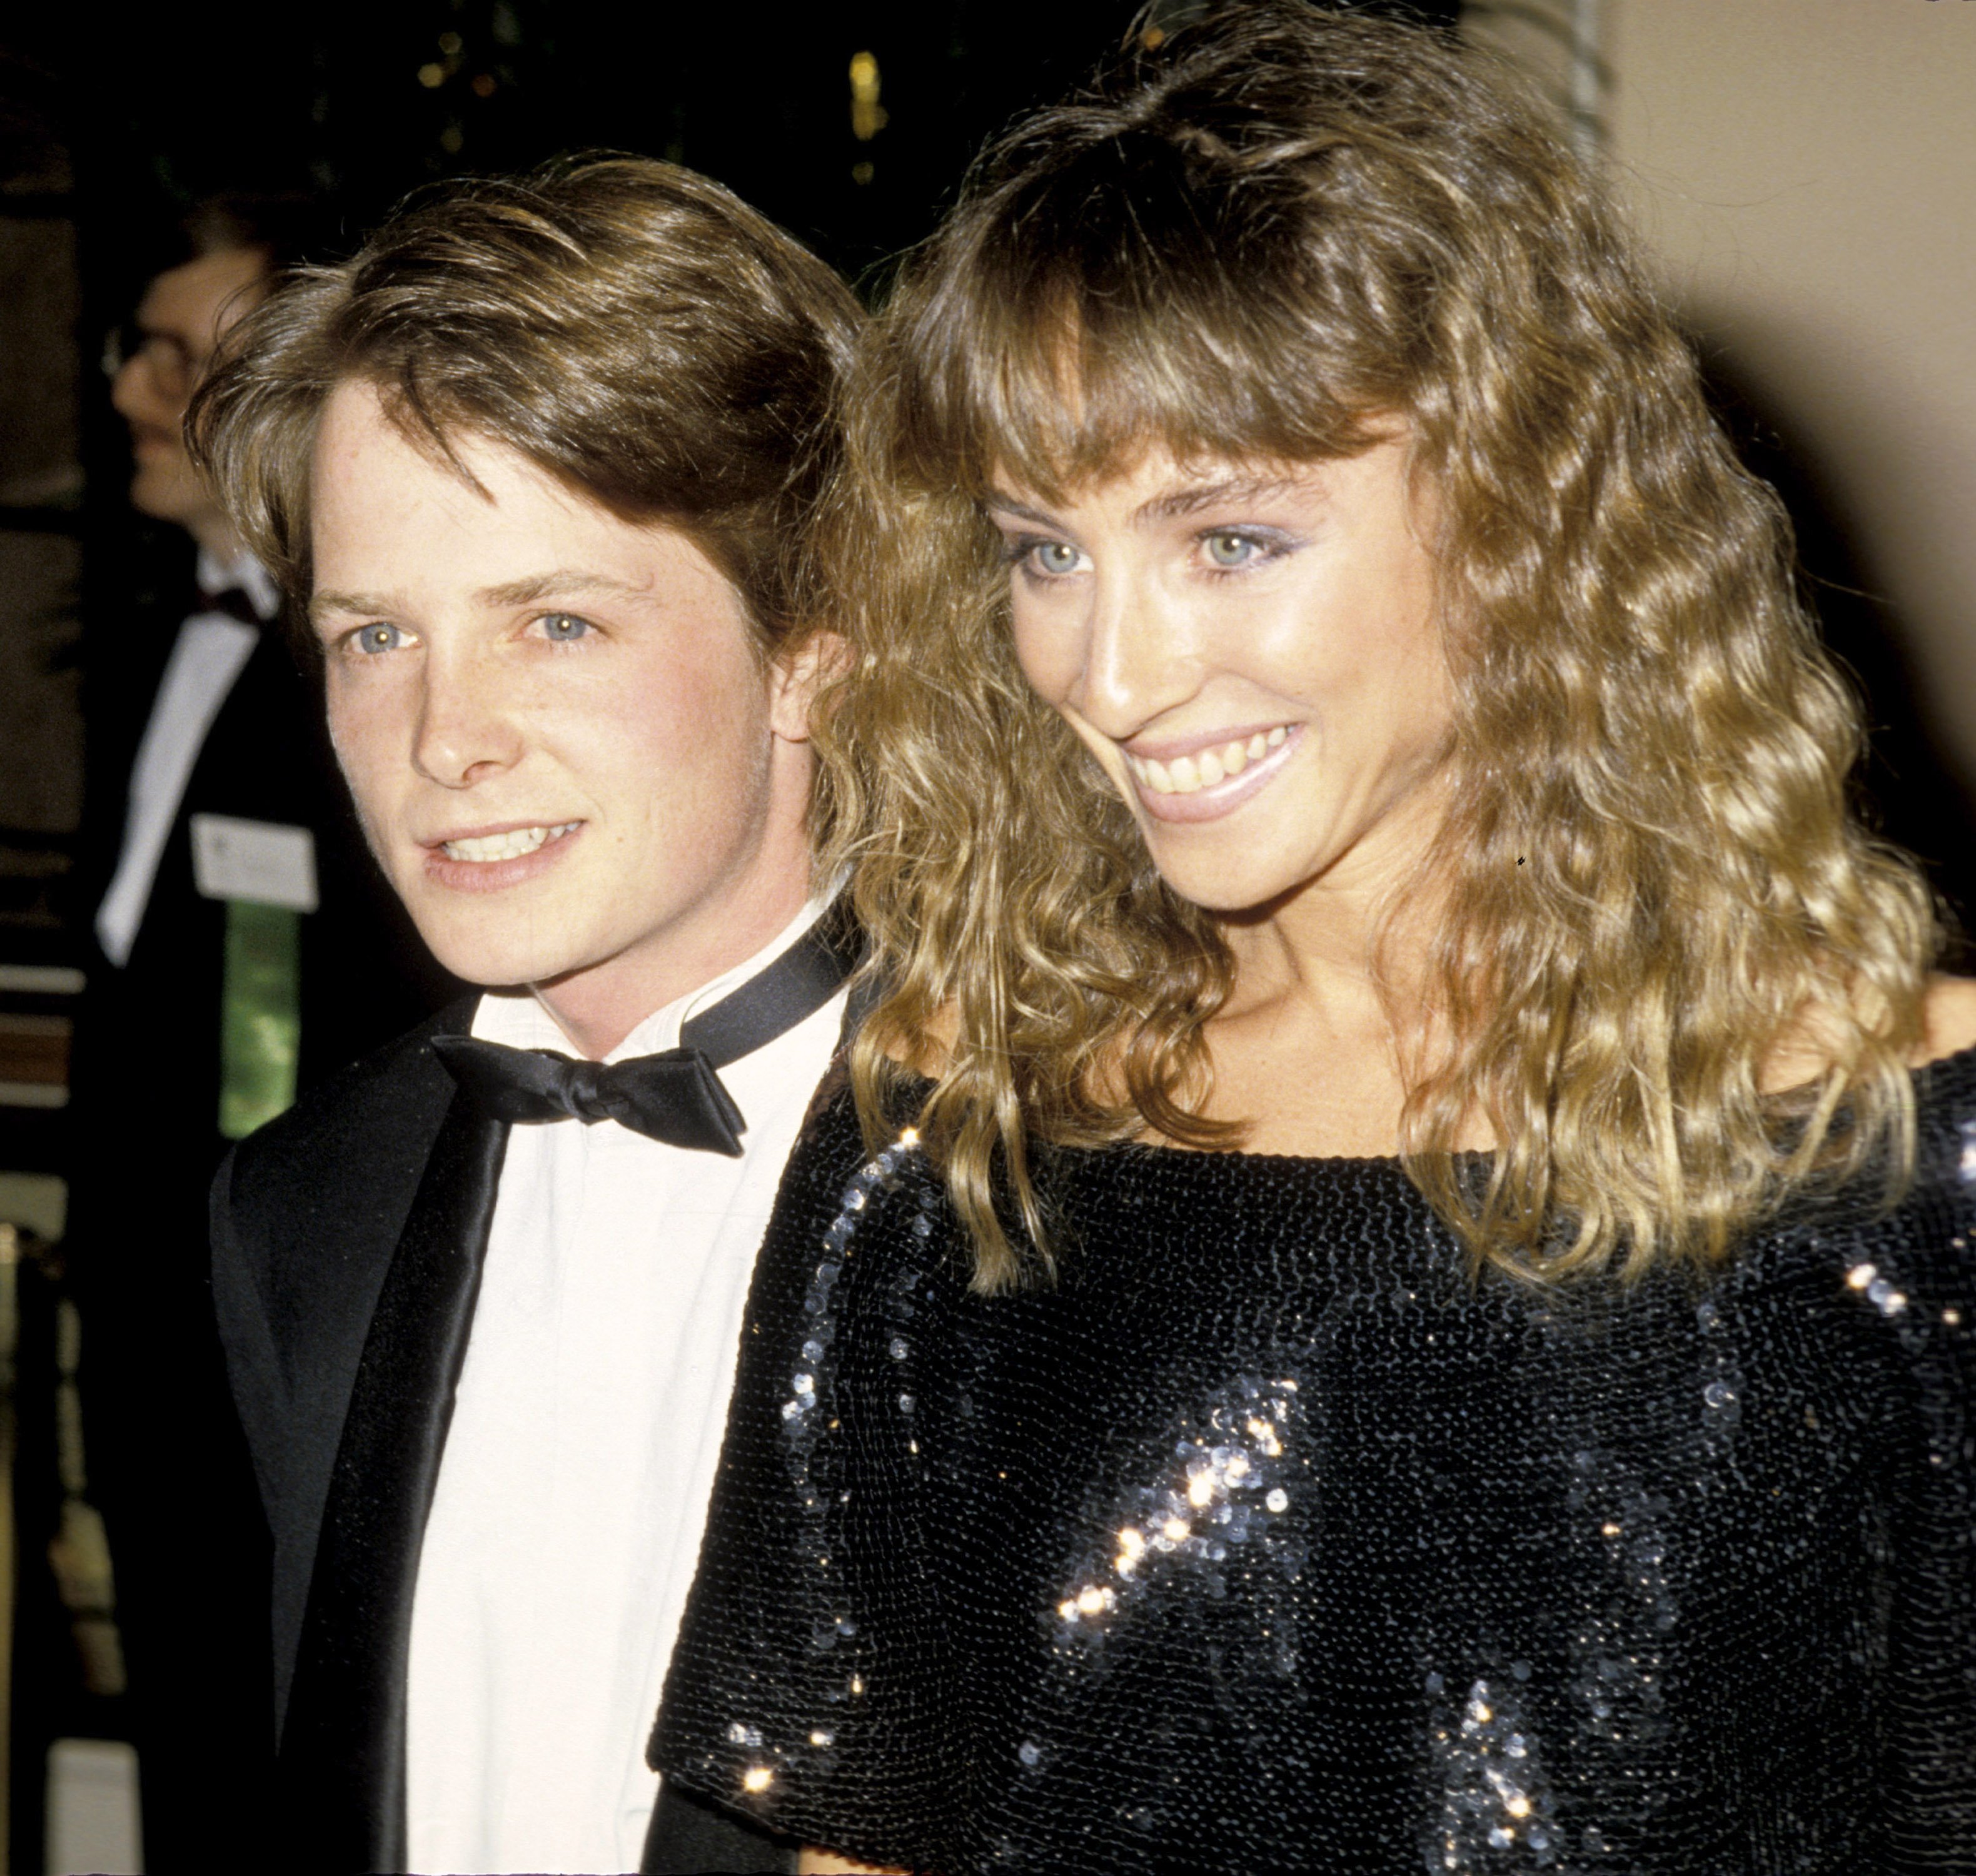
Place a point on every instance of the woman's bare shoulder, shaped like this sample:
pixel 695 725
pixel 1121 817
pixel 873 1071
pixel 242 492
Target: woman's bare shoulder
pixel 1806 1050
pixel 1949 1018
pixel 928 1048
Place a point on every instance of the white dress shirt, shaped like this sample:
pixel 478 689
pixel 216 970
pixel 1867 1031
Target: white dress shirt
pixel 566 1523
pixel 209 654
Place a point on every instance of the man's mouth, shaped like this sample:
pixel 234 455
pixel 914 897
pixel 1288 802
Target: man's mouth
pixel 510 843
pixel 1187 774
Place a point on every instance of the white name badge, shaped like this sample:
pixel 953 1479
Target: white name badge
pixel 262 861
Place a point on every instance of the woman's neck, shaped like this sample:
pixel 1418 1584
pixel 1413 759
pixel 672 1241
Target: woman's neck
pixel 1328 1006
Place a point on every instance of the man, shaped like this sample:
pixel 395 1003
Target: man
pixel 241 931
pixel 540 459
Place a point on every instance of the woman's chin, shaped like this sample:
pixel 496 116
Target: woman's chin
pixel 1229 891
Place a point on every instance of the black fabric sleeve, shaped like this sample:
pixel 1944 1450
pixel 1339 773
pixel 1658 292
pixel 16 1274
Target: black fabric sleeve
pixel 689 1837
pixel 253 1368
pixel 1922 1293
pixel 804 1691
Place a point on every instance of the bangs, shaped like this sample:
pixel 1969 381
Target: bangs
pixel 1126 302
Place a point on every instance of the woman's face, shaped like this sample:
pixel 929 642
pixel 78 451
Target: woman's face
pixel 1253 656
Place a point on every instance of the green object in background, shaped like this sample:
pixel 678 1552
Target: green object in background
pixel 261 1016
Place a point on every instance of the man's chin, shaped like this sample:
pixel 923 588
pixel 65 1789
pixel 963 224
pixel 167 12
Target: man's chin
pixel 500 965
pixel 496 950
pixel 163 495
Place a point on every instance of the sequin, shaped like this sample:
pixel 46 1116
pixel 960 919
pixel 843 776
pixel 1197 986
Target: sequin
pixel 1494 1794
pixel 1664 1579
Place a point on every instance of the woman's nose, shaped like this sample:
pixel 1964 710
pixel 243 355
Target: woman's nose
pixel 1141 656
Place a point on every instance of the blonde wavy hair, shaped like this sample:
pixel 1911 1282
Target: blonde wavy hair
pixel 1259 241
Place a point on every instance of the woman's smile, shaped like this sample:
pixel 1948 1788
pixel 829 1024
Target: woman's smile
pixel 1215 777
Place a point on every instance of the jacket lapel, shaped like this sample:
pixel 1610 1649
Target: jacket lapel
pixel 342 1763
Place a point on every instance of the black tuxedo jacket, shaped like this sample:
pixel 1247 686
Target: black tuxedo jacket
pixel 347 1237
pixel 166 1461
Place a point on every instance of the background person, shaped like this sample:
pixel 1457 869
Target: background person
pixel 539 461
pixel 243 946
pixel 1327 690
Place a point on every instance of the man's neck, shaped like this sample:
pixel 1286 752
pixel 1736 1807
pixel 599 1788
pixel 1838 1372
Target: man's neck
pixel 597 1009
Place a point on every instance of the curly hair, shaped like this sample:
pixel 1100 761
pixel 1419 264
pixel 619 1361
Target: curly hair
pixel 1255 242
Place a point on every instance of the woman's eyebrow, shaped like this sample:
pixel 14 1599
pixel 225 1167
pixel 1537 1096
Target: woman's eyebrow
pixel 1000 504
pixel 1191 498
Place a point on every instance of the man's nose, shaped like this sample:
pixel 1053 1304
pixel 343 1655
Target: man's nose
pixel 468 727
pixel 1140 657
pixel 133 394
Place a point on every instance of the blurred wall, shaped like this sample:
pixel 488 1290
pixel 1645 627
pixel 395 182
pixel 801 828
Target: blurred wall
pixel 1807 169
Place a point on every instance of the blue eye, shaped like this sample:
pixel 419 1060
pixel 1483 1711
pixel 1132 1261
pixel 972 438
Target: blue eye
pixel 373 639
pixel 1054 557
pixel 563 628
pixel 1230 550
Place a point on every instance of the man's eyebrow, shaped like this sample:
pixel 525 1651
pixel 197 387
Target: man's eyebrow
pixel 561 582
pixel 324 601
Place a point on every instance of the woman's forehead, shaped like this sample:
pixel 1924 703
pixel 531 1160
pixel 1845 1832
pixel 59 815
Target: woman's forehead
pixel 1054 421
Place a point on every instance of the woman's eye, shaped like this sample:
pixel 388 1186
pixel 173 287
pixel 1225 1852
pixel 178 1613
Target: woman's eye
pixel 372 639
pixel 1231 550
pixel 563 628
pixel 1054 557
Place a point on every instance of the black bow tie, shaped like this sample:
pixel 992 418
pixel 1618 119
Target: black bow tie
pixel 676 1096
pixel 234 601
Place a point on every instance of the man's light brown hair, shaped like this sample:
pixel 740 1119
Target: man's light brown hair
pixel 633 328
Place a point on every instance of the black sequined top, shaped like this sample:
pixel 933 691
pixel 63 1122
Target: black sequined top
pixel 1267 1540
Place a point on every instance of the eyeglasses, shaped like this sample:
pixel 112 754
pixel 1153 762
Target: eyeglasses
pixel 174 369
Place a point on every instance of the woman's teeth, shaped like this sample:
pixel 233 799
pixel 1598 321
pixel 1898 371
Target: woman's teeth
pixel 1186 775
pixel 511 845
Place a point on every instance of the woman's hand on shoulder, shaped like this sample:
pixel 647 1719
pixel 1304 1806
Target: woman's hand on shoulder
pixel 1950 1018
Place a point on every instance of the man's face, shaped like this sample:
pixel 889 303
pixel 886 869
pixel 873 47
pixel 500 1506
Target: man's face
pixel 565 750
pixel 181 317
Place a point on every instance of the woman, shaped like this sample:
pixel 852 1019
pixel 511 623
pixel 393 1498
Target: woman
pixel 1422 1315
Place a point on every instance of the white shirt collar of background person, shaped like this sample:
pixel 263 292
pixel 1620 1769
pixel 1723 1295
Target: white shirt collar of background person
pixel 207 657
pixel 566 1525
pixel 215 574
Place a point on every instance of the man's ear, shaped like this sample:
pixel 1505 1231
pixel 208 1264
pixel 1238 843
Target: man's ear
pixel 796 676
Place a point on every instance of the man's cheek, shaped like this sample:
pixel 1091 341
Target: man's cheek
pixel 367 773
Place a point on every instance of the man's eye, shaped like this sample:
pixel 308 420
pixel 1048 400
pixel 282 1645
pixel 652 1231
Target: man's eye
pixel 1231 550
pixel 563 628
pixel 378 638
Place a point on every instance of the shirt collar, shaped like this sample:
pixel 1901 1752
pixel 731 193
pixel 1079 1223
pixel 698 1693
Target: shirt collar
pixel 517 1019
pixel 243 571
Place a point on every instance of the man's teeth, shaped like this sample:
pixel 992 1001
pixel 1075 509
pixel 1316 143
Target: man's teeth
pixel 509 846
pixel 1187 774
